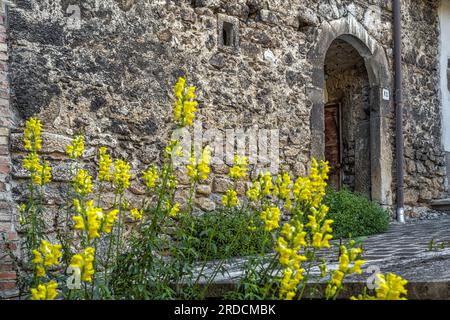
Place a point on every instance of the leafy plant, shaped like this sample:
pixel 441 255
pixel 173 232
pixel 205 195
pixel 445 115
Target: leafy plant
pixel 225 234
pixel 354 215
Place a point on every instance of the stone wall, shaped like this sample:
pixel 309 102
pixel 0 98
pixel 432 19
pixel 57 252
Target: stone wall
pixel 8 235
pixel 109 76
pixel 424 156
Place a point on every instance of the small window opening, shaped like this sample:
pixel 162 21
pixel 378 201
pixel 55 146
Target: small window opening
pixel 448 74
pixel 227 34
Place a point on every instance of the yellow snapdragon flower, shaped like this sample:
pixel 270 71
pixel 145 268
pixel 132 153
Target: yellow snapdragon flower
pixel 109 220
pixel 93 220
pixel 121 176
pixel 174 149
pixel 45 291
pixel 185 104
pixel 82 183
pixel 174 210
pixel 150 177
pixel 321 240
pixel 85 263
pixel 199 170
pixel 94 217
pixel 389 287
pixel 311 190
pixel 230 199
pixel 32 134
pixel 282 189
pixel 104 165
pixel 266 183
pixel 40 173
pixel 46 256
pixel 348 264
pixel 239 169
pixel 260 188
pixel 271 218
pixel 254 192
pixel 136 214
pixel 289 283
pixel 76 149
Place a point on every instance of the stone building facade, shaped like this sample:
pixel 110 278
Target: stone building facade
pixel 321 72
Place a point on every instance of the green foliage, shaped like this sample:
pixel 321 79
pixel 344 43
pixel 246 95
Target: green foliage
pixel 226 234
pixel 354 215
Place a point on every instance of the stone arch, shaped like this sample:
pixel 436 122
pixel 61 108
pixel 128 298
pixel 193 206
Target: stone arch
pixel 351 31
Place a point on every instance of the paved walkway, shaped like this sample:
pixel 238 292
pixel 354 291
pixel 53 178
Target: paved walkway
pixel 403 250
pixel 405 241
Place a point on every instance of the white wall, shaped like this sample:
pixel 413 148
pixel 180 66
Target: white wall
pixel 444 14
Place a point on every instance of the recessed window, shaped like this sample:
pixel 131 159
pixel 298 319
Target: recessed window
pixel 228 33
pixel 448 74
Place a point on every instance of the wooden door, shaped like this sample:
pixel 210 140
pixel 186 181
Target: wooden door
pixel 333 143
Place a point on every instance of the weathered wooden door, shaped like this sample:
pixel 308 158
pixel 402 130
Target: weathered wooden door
pixel 333 143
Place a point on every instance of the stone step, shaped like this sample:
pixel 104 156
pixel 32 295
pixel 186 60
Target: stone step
pixel 441 205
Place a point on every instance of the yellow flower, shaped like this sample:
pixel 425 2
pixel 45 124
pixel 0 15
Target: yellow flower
pixel 200 170
pixel 37 257
pixel 338 276
pixel 47 255
pixel 185 104
pixel 40 271
pixel 46 173
pixel 109 220
pixel 346 259
pixel 136 214
pixel 77 205
pixel 174 210
pixel 40 174
pixel 239 170
pixel 104 163
pixel 271 218
pixel 79 223
pixel 266 183
pixel 289 283
pixel 45 291
pixel 51 253
pixel 121 176
pixel 261 187
pixel 389 287
pixel 230 199
pixel 82 183
pixel 254 192
pixel 150 177
pixel 76 149
pixel 311 190
pixel 282 187
pixel 174 149
pixel 321 240
pixel 85 263
pixel 203 164
pixel 357 267
pixel 32 134
pixel 94 217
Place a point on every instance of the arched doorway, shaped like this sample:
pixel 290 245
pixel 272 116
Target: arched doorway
pixel 347 118
pixel 376 80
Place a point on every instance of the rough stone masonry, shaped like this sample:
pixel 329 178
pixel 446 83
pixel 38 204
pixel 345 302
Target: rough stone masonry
pixel 106 68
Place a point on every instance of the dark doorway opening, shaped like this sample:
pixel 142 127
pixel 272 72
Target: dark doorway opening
pixel 347 118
